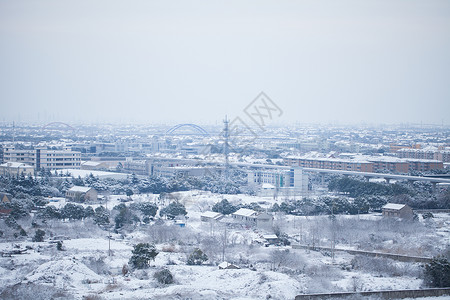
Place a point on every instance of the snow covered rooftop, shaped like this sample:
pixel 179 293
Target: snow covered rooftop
pixel 14 164
pixel 245 212
pixel 211 214
pixel 394 206
pixel 270 236
pixel 80 189
pixel 225 265
pixel 91 163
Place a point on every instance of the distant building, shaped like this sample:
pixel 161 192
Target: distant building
pixel 16 169
pixel 271 238
pixel 269 182
pixel 227 266
pixel 330 163
pixel 429 152
pixel 94 165
pixel 365 163
pixel 397 210
pixel 44 158
pixel 264 221
pixel 209 216
pixel 246 215
pixel 5 198
pixel 81 194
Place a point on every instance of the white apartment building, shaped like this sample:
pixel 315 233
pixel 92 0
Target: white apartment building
pixel 44 158
pixel 270 182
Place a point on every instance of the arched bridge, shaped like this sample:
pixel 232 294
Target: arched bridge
pixel 192 126
pixel 67 126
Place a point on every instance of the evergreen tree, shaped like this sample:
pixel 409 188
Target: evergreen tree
pixel 142 254
pixel 197 257
pixel 224 207
pixel 39 235
pixel 437 272
pixel 164 276
pixel 101 216
pixel 173 209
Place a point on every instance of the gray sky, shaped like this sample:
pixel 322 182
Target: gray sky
pixel 195 61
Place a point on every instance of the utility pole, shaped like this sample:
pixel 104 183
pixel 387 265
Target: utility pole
pixel 333 232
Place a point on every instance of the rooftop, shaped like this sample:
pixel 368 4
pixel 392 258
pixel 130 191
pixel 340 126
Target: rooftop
pixel 394 206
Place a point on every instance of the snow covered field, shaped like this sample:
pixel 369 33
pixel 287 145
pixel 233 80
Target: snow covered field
pixel 84 270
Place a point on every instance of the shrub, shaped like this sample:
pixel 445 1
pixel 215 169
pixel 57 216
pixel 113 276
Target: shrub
pixel 39 235
pixel 427 215
pixel 172 210
pixel 197 257
pixel 164 276
pixel 142 254
pixel 437 272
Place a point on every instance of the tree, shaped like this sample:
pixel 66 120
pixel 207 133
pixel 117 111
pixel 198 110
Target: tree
pixel 129 192
pixel 59 246
pixel 101 216
pixel 39 235
pixel 50 212
pixel 146 208
pixel 197 257
pixel 142 254
pixel 437 272
pixel 89 212
pixel 72 212
pixel 224 207
pixel 125 216
pixel 173 209
pixel 164 276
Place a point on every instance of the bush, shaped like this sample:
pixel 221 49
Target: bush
pixel 39 235
pixel 142 254
pixel 224 207
pixel 164 276
pixel 197 257
pixel 437 272
pixel 427 215
pixel 172 210
pixel 23 232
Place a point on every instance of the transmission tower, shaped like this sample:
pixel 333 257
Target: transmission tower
pixel 226 135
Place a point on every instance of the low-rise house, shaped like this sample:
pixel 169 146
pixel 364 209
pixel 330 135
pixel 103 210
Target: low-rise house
pixel 81 194
pixel 5 198
pixel 209 216
pixel 245 214
pixel 264 221
pixel 227 266
pixel 16 169
pixel 271 238
pixel 94 165
pixel 397 210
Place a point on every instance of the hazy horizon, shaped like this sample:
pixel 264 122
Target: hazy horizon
pixel 154 62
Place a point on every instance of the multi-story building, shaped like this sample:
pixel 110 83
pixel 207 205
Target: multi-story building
pixel 44 158
pixel 273 181
pixel 366 164
pixel 330 163
pixel 427 153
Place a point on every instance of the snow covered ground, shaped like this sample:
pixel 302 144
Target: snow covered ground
pixel 84 268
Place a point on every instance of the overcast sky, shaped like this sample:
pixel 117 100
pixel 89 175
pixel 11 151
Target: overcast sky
pixel 195 61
